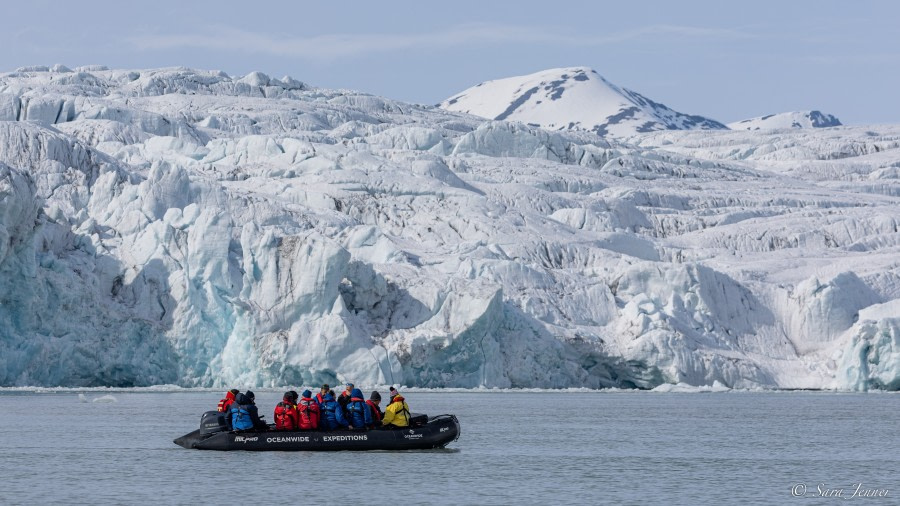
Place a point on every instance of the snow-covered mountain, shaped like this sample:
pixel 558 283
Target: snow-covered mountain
pixel 572 98
pixel 796 119
pixel 182 226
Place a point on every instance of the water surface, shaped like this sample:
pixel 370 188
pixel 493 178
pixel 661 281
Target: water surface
pixel 515 448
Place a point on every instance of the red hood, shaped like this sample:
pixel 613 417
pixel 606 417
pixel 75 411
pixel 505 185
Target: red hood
pixel 229 395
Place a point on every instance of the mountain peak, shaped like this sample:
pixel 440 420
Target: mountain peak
pixel 572 98
pixel 794 119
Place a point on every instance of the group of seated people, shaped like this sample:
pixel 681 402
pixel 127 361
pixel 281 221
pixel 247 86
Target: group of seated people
pixel 323 411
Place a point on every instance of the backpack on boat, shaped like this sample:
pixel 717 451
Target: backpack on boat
pixel 309 415
pixel 285 416
pixel 354 410
pixel 240 418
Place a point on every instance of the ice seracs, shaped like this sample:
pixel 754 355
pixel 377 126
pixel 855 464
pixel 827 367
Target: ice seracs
pixel 572 98
pixel 178 226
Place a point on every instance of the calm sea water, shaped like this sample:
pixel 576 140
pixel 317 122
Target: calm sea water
pixel 515 448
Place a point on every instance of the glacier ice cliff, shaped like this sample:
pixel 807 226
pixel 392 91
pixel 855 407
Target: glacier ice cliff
pixel 188 227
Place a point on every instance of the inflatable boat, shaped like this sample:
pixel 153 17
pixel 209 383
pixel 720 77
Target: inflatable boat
pixel 424 433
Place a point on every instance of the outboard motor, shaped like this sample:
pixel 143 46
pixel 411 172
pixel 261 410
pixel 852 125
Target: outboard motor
pixel 212 421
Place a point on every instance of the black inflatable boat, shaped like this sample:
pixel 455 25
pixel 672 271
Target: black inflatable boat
pixel 424 433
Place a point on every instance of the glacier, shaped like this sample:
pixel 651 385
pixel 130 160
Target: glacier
pixel 187 227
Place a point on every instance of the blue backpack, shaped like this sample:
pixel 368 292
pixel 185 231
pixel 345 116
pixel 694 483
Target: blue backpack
pixel 357 412
pixel 240 418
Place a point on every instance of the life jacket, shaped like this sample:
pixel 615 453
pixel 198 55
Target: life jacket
pixel 401 409
pixel 405 412
pixel 240 417
pixel 356 411
pixel 225 403
pixel 329 411
pixel 285 416
pixel 376 413
pixel 331 415
pixel 308 412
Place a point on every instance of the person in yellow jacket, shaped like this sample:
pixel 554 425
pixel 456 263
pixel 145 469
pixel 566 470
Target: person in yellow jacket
pixel 397 412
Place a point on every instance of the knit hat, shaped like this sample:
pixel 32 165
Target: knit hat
pixel 307 394
pixel 250 395
pixel 375 396
pixel 325 387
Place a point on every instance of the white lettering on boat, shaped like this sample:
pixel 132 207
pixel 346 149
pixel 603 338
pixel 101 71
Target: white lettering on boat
pixel 412 436
pixel 242 439
pixel 353 437
pixel 288 439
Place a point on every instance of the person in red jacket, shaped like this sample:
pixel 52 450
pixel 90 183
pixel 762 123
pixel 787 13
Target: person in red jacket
pixel 308 412
pixel 225 403
pixel 373 403
pixel 286 416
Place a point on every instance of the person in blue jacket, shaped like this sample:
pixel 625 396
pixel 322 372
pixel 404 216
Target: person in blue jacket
pixel 358 413
pixel 331 414
pixel 244 415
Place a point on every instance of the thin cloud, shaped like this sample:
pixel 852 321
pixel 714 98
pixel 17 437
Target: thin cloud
pixel 847 60
pixel 333 46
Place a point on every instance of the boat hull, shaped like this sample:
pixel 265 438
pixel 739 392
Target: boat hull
pixel 438 432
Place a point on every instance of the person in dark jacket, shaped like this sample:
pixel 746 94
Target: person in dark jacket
pixel 358 413
pixel 344 399
pixel 320 397
pixel 375 408
pixel 245 414
pixel 332 415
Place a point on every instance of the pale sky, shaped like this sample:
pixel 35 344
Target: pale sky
pixel 721 59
